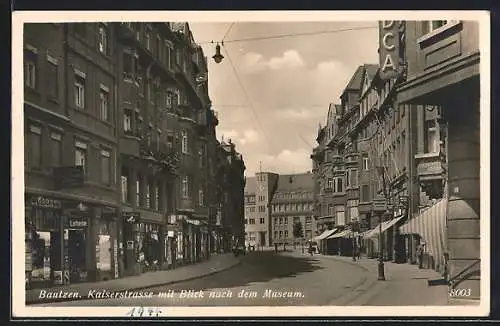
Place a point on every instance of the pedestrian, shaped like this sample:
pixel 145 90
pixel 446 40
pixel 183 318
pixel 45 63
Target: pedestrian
pixel 275 247
pixel 420 256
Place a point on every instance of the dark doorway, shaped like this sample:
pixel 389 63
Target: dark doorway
pixel 76 252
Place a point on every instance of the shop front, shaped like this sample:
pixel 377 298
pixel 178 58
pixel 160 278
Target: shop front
pixel 69 241
pixel 172 254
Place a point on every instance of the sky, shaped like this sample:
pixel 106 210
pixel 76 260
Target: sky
pixel 271 95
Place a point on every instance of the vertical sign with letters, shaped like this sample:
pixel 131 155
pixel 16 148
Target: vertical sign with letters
pixel 390 33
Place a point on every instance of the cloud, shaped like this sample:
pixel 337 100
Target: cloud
pixel 286 161
pixel 254 62
pixel 248 136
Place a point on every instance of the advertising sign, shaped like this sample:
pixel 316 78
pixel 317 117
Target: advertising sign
pixel 390 34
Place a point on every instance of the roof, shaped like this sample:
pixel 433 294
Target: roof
pixel 356 79
pixel 295 182
pixel 250 185
pixel 371 70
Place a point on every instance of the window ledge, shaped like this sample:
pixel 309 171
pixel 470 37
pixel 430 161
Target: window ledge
pixel 435 33
pixel 427 155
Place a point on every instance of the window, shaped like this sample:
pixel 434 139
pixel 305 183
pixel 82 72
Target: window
pixel 170 58
pixel 281 220
pixel 137 28
pixel 275 234
pixel 105 167
pixel 102 39
pixel 340 215
pixel 200 157
pixel 286 234
pixel 432 25
pixel 124 178
pixel 81 155
pixel 169 100
pixel 56 148
pixel 285 220
pixel 351 178
pixel 79 92
pixel 365 162
pixel 128 68
pixel 148 194
pixel 329 184
pixel 35 146
pixel 352 210
pixel 200 197
pixel 148 40
pixel 127 120
pixel 157 197
pixel 281 234
pixel 178 96
pixel 104 103
pixel 432 137
pixel 339 187
pixel 138 190
pixel 251 221
pixel 262 220
pixel 331 210
pixel 365 193
pixel 52 79
pixel 30 68
pixel 262 209
pixel 246 221
pixel 185 147
pixel 185 187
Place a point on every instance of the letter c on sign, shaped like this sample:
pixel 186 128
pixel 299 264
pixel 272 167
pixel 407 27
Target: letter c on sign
pixel 385 39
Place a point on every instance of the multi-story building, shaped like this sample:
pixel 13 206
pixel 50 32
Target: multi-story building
pixel 443 70
pixel 292 204
pixel 258 195
pixel 232 184
pixel 70 134
pixel 121 151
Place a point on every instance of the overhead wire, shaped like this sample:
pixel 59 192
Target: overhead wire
pixel 228 30
pixel 247 97
pixel 274 37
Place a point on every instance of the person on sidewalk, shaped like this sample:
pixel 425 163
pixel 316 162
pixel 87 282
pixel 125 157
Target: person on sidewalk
pixel 420 256
pixel 275 248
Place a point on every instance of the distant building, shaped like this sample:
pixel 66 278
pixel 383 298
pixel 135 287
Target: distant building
pixel 291 204
pixel 258 193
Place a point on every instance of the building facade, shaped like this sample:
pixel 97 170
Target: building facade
pixel 258 195
pixel 121 155
pixel 292 205
pixel 443 70
pixel 232 185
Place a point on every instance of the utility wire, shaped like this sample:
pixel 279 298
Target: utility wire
pixel 263 38
pixel 247 97
pixel 228 30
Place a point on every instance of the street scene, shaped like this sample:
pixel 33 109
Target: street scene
pixel 252 163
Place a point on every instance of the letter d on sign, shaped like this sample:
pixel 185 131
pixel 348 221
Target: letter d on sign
pixel 387 23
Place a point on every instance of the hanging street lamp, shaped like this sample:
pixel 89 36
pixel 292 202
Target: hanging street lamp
pixel 217 56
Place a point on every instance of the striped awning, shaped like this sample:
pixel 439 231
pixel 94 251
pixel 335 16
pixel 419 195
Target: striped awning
pixel 385 226
pixel 344 234
pixel 325 234
pixel 430 225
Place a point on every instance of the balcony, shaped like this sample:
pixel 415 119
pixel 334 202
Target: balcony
pixel 125 32
pixel 351 159
pixel 130 143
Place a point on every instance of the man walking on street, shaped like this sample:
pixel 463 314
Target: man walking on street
pixel 275 248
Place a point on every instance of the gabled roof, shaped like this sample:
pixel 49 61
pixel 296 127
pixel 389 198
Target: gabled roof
pixel 371 70
pixel 356 80
pixel 295 182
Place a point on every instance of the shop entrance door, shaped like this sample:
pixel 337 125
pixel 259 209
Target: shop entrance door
pixel 76 253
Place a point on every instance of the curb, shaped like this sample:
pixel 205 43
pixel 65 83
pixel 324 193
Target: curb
pixel 82 298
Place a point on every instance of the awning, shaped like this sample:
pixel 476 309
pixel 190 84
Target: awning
pixel 344 234
pixel 324 235
pixel 385 226
pixel 430 225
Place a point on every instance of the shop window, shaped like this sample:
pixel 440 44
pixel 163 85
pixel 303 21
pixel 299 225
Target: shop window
pixel 103 247
pixel 30 68
pixel 55 148
pixel 81 155
pixel 41 259
pixel 105 167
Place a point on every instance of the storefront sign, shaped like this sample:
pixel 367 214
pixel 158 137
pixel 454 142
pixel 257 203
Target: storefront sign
pixel 77 223
pixel 43 202
pixel 390 33
pixel 131 217
pixel 194 222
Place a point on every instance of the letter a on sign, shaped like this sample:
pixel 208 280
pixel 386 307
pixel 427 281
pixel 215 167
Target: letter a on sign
pixel 388 64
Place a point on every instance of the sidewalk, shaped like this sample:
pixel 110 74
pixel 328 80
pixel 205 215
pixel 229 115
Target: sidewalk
pixel 405 285
pixel 215 264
